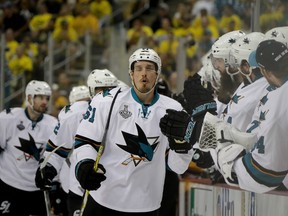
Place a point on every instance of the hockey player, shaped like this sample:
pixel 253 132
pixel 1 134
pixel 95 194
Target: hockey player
pixel 131 171
pixel 262 169
pixel 61 160
pixel 230 76
pixel 24 133
pixel 240 109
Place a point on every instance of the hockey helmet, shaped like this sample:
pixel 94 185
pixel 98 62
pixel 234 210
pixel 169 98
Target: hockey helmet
pixel 243 47
pixel 79 93
pixel 101 78
pixel 35 87
pixel 145 54
pixel 222 46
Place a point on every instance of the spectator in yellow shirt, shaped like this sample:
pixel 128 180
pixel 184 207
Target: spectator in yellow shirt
pixel 138 31
pixel 85 22
pixel 229 21
pixel 11 44
pixel 40 21
pixel 100 8
pixel 64 32
pixel 21 64
pixel 64 14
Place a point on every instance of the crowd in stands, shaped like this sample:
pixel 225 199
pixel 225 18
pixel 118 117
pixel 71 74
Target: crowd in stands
pixel 27 25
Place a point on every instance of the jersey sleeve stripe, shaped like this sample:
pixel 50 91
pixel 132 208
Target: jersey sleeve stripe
pixel 261 175
pixel 80 141
pixel 62 152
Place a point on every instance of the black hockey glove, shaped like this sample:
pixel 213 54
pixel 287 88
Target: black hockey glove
pixel 202 159
pixel 180 98
pixel 87 177
pixel 180 127
pixel 181 147
pixel 44 177
pixel 199 100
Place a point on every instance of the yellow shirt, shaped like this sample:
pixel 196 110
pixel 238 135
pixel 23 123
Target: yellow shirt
pixel 12 46
pixel 86 23
pixel 40 21
pixel 225 23
pixel 20 65
pixel 100 9
pixel 69 19
pixel 69 35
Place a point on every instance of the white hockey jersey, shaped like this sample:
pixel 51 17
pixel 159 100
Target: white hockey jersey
pixel 134 155
pixel 240 109
pixel 69 119
pixel 265 167
pixel 23 142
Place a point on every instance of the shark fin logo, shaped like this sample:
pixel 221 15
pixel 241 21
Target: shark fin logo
pixel 138 146
pixel 29 148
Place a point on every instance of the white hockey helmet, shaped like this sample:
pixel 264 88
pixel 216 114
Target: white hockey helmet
pixel 221 47
pixel 122 84
pixel 101 78
pixel 279 34
pixel 79 93
pixel 243 47
pixel 35 87
pixel 145 54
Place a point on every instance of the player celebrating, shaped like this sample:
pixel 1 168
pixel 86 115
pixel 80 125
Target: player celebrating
pixel 24 133
pixel 69 119
pixel 130 176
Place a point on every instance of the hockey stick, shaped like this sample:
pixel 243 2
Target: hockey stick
pixel 46 193
pixel 100 150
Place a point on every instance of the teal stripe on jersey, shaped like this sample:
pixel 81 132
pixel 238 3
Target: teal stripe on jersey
pixel 80 141
pixel 62 152
pixel 261 175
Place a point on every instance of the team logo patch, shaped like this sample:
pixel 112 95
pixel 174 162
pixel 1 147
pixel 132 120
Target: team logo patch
pixel 125 113
pixel 140 147
pixel 21 126
pixel 29 149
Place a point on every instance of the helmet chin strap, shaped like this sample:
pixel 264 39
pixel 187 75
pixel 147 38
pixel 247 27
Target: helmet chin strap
pixel 32 107
pixel 231 74
pixel 247 76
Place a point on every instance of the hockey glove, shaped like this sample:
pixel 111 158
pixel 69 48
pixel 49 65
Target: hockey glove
pixel 180 127
pixel 181 147
pixel 202 159
pixel 199 100
pixel 87 177
pixel 44 177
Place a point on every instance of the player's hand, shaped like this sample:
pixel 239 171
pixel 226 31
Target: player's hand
pixel 87 177
pixel 178 126
pixel 199 100
pixel 44 177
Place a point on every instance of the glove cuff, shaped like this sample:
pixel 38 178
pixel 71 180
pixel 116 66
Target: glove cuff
pixel 203 108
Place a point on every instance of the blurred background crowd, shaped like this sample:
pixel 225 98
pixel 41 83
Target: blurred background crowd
pixel 61 41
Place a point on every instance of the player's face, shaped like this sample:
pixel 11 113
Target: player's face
pixel 144 76
pixel 41 103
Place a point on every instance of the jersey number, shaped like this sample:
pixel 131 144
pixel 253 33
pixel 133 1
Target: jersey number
pixel 259 145
pixel 90 114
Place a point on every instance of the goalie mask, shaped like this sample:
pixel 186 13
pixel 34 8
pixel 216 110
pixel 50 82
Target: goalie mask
pixel 79 93
pixel 101 79
pixel 36 87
